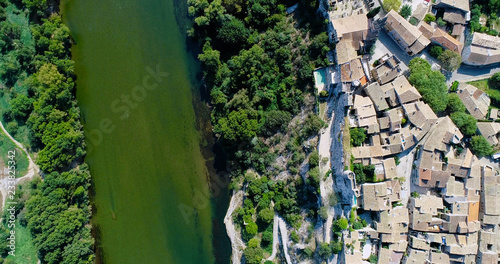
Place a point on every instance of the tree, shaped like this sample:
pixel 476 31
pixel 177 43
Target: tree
pixel 480 146
pixel 450 60
pixel 341 224
pixel 314 160
pixel 405 11
pixel 441 22
pixel 267 236
pixel 358 136
pixel 336 246
pixel 266 215
pixel 233 32
pixel 431 84
pixel 357 225
pixel 494 81
pixel 324 250
pixel 373 259
pixel 240 125
pixel 429 18
pixel 253 255
pixel 373 12
pixel 251 229
pixel 389 5
pixel 465 122
pixel 21 106
pixel 210 57
pixel 455 104
pixel 436 51
pixel 275 120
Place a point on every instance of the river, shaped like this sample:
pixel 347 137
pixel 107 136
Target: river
pixel 138 88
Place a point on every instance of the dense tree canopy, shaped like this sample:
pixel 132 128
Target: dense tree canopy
pixel 465 122
pixel 450 60
pixel 480 146
pixel 431 84
pixel 36 61
pixel 58 216
pixel 358 136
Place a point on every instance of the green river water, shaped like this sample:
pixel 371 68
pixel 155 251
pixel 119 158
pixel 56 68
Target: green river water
pixel 138 89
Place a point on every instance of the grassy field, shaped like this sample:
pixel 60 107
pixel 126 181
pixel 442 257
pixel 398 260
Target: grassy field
pixel 25 250
pixel 20 158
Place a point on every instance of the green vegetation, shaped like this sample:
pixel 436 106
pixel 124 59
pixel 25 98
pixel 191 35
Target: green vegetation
pixel 440 22
pixel 465 122
pixel 450 60
pixel 435 51
pixel 415 195
pixel 488 10
pixel 485 85
pixel 253 254
pixel 364 173
pixel 373 12
pixel 429 18
pixel 373 259
pixel 340 224
pixel 454 86
pixel 37 71
pixel 25 250
pixel 389 5
pixel 494 81
pixel 259 69
pixel 405 11
pixel 431 84
pixel 413 21
pixel 358 136
pixel 480 146
pixel 20 158
pixel 455 104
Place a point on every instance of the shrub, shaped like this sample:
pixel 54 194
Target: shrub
pixel 357 225
pixel 436 51
pixel 413 21
pixel 323 93
pixel 373 259
pixel 454 86
pixel 341 224
pixel 314 159
pixel 441 22
pixel 324 250
pixel 429 18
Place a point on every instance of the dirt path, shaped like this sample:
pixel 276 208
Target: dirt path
pixel 275 237
pixel 32 168
pixel 237 244
pixel 284 239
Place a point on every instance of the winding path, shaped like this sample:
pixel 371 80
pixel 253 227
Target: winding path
pixel 236 243
pixel 33 169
